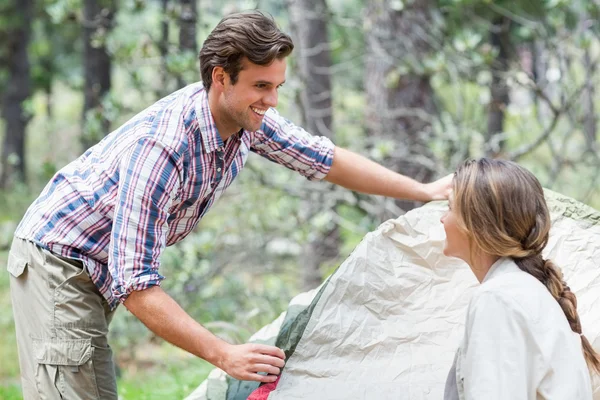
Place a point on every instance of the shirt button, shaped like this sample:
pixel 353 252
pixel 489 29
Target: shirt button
pixel 218 169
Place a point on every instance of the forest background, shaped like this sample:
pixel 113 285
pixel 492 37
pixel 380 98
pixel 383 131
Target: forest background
pixel 418 85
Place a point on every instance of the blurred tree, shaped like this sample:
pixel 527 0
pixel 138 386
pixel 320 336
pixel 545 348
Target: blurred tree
pixel 15 34
pixel 589 26
pixel 308 23
pixel 188 19
pixel 97 23
pixel 43 60
pixel 590 123
pixel 400 99
pixel 55 54
pixel 163 48
pixel 500 41
pixel 516 79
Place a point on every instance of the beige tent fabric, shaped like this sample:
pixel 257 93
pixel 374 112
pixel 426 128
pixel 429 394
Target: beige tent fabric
pixel 215 386
pixel 390 319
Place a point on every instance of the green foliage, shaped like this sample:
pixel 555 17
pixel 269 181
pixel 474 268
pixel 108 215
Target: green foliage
pixel 10 21
pixel 14 202
pixel 11 392
pixel 347 40
pixel 487 10
pixel 177 380
pixel 56 43
pixel 9 368
pixel 60 11
pixel 243 262
pixel 94 128
pixel 184 64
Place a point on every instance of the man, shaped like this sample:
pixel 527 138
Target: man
pixel 93 238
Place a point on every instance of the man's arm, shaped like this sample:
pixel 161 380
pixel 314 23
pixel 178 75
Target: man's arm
pixel 163 316
pixel 360 174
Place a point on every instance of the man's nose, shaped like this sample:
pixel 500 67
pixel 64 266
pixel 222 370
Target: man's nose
pixel 271 98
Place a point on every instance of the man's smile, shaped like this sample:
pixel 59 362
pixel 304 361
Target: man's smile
pixel 258 110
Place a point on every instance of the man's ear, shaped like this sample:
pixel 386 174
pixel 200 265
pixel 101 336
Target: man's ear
pixel 219 77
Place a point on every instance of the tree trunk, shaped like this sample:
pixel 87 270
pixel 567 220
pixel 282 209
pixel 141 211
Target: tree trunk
pixel 400 99
pixel 589 108
pixel 163 48
pixel 18 88
pixel 308 23
pixel 97 22
pixel 499 39
pixel 187 31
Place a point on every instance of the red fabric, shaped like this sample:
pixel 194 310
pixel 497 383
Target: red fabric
pixel 263 391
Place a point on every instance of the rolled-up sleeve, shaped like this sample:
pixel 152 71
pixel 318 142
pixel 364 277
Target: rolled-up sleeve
pixel 289 145
pixel 149 177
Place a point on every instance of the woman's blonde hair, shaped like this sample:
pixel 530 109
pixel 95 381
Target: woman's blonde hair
pixel 501 208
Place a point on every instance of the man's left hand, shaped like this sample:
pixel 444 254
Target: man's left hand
pixel 440 189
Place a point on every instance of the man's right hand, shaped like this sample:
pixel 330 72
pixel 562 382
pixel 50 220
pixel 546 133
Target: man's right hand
pixel 244 361
pixel 163 316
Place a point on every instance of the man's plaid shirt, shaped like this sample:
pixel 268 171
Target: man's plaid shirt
pixel 146 185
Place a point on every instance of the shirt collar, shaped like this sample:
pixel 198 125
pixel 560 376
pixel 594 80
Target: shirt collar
pixel 501 266
pixel 211 140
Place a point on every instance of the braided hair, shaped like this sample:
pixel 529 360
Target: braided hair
pixel 504 204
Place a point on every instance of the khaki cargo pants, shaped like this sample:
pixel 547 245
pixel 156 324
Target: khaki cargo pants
pixel 61 325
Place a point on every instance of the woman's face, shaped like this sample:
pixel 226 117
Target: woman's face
pixel 457 242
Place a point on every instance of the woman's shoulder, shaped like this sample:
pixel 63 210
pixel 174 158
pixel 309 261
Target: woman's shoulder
pixel 507 279
pixel 519 293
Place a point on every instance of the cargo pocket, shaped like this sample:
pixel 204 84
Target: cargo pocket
pixel 64 369
pixel 15 265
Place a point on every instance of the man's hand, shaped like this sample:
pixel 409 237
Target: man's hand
pixel 244 361
pixel 163 316
pixel 355 172
pixel 440 189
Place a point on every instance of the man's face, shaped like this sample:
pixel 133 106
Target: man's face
pixel 244 103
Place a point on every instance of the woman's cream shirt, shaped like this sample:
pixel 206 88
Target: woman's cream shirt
pixel 518 343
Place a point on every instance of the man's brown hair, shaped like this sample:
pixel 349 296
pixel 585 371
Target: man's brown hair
pixel 252 35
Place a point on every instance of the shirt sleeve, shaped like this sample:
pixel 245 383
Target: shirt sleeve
pixel 497 355
pixel 149 178
pixel 289 145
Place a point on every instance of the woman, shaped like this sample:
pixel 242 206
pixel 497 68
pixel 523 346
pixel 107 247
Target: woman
pixel 523 338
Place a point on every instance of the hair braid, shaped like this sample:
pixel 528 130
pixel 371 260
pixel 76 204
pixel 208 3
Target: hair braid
pixel 551 276
pixel 504 204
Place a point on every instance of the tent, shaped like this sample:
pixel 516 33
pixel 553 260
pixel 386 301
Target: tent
pixel 387 322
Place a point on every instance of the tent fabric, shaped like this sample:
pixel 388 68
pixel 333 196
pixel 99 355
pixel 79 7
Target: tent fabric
pixel 387 323
pixel 219 386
